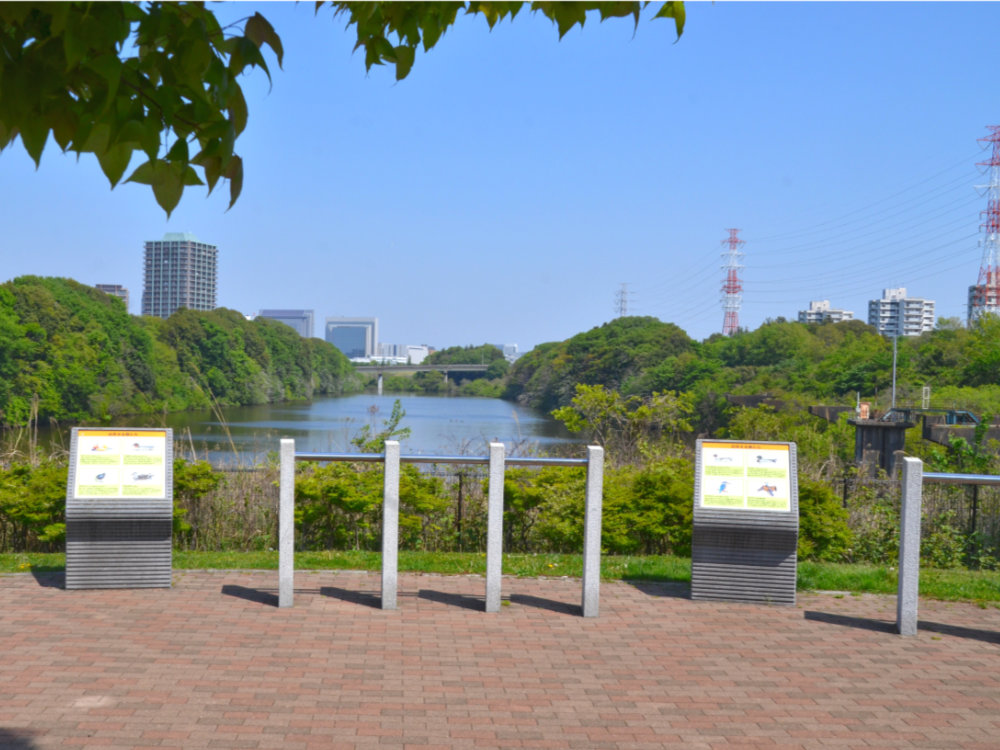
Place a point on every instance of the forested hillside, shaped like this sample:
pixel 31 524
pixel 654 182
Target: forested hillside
pixel 827 363
pixel 620 355
pixel 70 352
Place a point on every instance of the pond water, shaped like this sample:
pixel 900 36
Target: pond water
pixel 439 425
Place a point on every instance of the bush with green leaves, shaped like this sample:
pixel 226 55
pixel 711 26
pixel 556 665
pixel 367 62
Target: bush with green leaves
pixel 339 506
pixel 823 530
pixel 33 507
pixel 645 511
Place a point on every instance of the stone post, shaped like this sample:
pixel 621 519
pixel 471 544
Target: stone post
pixel 390 525
pixel 286 523
pixel 909 546
pixel 494 528
pixel 592 531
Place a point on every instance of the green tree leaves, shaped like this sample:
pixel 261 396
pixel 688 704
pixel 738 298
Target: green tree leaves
pixel 158 80
pixel 626 426
pixel 123 80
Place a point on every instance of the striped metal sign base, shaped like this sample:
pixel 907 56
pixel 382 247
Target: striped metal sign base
pixel 119 553
pixel 125 541
pixel 745 564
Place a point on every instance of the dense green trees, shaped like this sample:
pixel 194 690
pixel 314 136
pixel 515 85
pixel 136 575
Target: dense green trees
pixel 617 355
pixel 71 352
pixel 827 363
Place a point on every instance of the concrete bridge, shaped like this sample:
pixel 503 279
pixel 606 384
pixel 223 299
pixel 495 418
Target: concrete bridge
pixel 380 370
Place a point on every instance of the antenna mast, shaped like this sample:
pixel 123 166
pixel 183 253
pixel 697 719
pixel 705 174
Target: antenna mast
pixel 732 285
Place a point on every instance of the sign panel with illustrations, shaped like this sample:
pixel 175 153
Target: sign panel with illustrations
pixel 120 464
pixel 745 476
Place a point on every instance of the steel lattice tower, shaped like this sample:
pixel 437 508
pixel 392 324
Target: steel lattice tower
pixel 732 285
pixel 984 297
pixel 621 300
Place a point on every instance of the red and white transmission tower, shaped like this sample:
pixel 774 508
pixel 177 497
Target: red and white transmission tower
pixel 984 297
pixel 732 285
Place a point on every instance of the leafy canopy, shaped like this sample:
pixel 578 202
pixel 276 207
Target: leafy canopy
pixel 159 81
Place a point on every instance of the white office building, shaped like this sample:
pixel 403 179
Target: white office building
pixel 355 337
pixel 898 315
pixel 821 311
pixel 300 320
pixel 403 354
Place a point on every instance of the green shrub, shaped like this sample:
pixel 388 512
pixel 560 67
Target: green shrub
pixel 823 530
pixel 33 506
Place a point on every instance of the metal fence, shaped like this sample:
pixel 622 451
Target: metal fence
pixel 496 461
pixel 913 482
pixel 973 507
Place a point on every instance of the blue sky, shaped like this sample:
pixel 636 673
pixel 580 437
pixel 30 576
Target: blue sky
pixel 507 187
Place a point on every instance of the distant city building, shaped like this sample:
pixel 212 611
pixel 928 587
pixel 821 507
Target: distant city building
pixel 300 320
pixel 821 311
pixel 416 354
pixel 178 272
pixel 403 354
pixel 898 315
pixel 115 290
pixel 355 337
pixel 510 352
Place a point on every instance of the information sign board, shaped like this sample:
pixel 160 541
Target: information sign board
pixel 746 521
pixel 119 508
pixel 745 476
pixel 120 464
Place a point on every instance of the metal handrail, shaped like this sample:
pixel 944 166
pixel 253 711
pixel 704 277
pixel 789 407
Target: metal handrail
pixel 913 480
pixel 949 478
pixel 593 492
pixel 421 459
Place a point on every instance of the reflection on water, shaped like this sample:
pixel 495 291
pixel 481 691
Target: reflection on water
pixel 438 425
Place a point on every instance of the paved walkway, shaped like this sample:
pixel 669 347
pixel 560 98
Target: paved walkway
pixel 213 663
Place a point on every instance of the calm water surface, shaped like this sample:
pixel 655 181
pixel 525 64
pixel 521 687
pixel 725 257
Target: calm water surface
pixel 439 426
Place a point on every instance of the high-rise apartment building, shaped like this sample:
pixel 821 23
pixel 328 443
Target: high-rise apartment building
pixel 178 271
pixel 115 290
pixel 355 337
pixel 300 320
pixel 898 315
pixel 821 311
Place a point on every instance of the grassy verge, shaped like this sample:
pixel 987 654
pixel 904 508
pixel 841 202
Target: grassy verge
pixel 953 585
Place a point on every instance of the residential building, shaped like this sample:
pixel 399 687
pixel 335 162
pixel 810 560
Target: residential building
pixel 178 272
pixel 300 320
pixel 355 337
pixel 898 315
pixel 115 290
pixel 821 311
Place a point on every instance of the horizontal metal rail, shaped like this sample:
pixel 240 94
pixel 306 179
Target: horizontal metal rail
pixel 913 481
pixel 421 459
pixel 496 462
pixel 947 478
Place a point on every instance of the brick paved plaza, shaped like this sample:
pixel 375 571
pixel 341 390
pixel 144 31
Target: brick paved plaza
pixel 213 662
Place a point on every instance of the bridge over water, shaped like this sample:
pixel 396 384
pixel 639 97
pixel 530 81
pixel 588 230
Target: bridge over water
pixel 380 370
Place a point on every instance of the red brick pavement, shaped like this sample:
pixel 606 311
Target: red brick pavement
pixel 213 663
